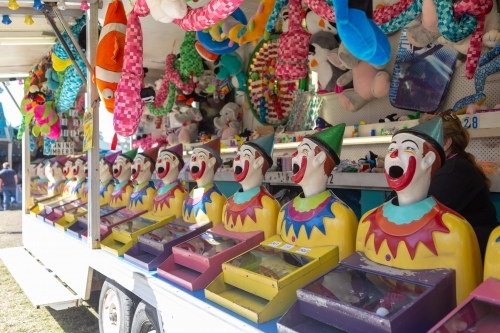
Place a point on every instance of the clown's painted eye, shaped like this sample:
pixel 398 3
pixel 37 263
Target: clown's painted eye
pixel 410 148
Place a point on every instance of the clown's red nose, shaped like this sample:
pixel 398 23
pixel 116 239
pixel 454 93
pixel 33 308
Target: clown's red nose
pixel 394 154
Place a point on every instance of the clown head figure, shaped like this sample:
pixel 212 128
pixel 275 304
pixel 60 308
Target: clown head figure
pixel 122 166
pixel 40 169
pixel 252 162
pixel 169 163
pixel 79 168
pixel 412 159
pixel 315 159
pixel 106 167
pixel 68 169
pixel 205 161
pixel 144 165
pixel 54 170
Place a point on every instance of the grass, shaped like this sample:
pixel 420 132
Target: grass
pixel 18 315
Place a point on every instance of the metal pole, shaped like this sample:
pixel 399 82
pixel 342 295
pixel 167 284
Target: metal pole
pixel 64 45
pixel 26 161
pixel 93 154
pixel 11 96
pixel 71 36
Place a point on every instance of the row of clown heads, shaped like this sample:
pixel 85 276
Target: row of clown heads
pixel 414 232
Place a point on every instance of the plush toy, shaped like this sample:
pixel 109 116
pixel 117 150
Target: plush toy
pixel 254 30
pixel 320 45
pixel 231 67
pixel 47 121
pixel 191 62
pixel 128 102
pixel 488 64
pixel 315 23
pixel 454 20
pixel 110 53
pixel 70 86
pixel 206 16
pixel 166 11
pixel 369 82
pixel 207 84
pixel 52 79
pixel 276 21
pixel 189 130
pixel 218 39
pixel 229 121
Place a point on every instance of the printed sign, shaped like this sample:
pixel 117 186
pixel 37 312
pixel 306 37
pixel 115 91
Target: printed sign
pixel 62 148
pixel 88 129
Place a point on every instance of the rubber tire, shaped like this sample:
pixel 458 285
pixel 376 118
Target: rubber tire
pixel 145 313
pixel 126 303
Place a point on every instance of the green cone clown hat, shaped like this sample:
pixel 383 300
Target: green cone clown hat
pixel 265 146
pixel 330 140
pixel 151 154
pixel 130 155
pixel 213 147
pixel 430 131
pixel 177 150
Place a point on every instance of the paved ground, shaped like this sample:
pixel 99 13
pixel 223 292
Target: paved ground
pixel 17 314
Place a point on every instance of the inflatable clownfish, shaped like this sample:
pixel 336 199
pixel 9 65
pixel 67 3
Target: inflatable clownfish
pixel 110 53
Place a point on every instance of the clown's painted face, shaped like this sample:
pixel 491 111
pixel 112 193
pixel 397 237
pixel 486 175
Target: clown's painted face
pixel 201 165
pixel 105 173
pixel 40 170
pixel 86 169
pixel 68 169
pixel 306 163
pixel 121 169
pixel 248 167
pixel 79 170
pixel 141 169
pixel 167 165
pixel 55 172
pixel 405 162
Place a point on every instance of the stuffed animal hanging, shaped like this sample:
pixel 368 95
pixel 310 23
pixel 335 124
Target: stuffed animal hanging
pixel 293 47
pixel 110 53
pixel 191 62
pixel 128 102
pixel 47 121
pixel 188 132
pixel 229 121
pixel 61 62
pixel 166 11
pixel 488 65
pixel 230 67
pixel 204 17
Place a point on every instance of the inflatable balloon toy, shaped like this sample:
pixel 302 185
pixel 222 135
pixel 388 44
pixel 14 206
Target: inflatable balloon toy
pixel 110 53
pixel 216 39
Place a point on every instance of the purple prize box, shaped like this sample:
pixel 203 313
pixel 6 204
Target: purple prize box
pixel 479 313
pixel 197 262
pixel 360 296
pixel 80 227
pixel 48 209
pixel 155 246
pixel 57 213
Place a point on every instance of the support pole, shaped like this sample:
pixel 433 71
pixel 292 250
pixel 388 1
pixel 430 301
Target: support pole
pixel 64 45
pixel 93 154
pixel 72 37
pixel 26 161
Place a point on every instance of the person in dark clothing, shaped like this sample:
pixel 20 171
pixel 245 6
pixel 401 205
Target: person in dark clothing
pixel 461 184
pixel 8 178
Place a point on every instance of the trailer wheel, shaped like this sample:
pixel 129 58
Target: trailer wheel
pixel 116 308
pixel 145 319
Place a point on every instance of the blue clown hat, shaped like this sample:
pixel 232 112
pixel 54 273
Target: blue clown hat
pixel 432 132
pixel 264 145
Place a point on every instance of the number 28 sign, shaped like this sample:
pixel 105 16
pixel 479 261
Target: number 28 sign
pixel 471 122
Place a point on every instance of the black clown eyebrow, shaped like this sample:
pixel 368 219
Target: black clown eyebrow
pixel 408 140
pixel 306 144
pixel 248 150
pixel 204 153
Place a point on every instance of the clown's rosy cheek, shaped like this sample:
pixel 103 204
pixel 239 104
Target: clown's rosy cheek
pixel 237 158
pixel 295 154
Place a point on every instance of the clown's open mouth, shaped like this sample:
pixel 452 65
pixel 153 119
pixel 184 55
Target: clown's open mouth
pixel 195 169
pixel 160 170
pixel 134 171
pixel 396 171
pixel 115 171
pixel 238 170
pixel 296 168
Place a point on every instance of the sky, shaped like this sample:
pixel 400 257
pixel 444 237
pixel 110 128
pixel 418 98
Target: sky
pixel 10 109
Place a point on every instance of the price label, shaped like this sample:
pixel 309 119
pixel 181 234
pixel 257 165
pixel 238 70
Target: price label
pixel 287 247
pixel 471 122
pixel 88 129
pixel 275 244
pixel 303 250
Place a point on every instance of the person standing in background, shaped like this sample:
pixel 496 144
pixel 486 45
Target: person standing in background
pixel 8 178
